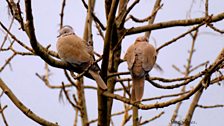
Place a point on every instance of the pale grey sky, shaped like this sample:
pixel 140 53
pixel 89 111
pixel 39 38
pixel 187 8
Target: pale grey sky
pixel 44 101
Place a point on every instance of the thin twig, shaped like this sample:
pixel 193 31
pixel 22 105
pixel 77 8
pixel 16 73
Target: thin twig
pixel 113 114
pixel 62 13
pixel 165 96
pixel 206 8
pixel 99 30
pixel 14 37
pixel 117 74
pixel 210 106
pixel 144 19
pixel 95 18
pixel 152 119
pixel 3 115
pixel 180 36
pixel 69 100
pixel 216 29
pixel 198 66
pixel 69 78
pixel 47 83
pixel 154 12
pixel 177 69
pixel 6 36
pixel 7 62
pixel 127 12
pixel 124 88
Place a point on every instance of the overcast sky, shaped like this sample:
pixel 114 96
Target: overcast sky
pixel 44 101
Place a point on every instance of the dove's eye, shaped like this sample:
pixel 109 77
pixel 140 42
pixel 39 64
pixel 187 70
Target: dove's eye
pixel 65 31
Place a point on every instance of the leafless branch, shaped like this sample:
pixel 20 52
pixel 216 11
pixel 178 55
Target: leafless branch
pixel 175 23
pixel 23 108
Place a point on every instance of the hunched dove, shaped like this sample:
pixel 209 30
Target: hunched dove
pixel 140 57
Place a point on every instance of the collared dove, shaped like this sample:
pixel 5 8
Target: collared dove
pixel 140 57
pixel 75 51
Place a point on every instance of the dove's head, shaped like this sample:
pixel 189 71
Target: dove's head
pixel 141 39
pixel 66 30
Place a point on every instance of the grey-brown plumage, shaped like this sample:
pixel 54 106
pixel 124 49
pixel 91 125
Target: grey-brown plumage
pixel 75 50
pixel 140 57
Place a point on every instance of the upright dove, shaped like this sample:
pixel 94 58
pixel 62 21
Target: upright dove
pixel 140 57
pixel 75 51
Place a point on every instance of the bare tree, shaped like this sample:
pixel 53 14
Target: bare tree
pixel 117 14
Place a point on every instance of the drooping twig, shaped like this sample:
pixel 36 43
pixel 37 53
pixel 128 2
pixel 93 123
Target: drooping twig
pixel 175 85
pixel 216 29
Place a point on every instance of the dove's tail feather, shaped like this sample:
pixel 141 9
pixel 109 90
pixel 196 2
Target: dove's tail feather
pixel 98 79
pixel 137 89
